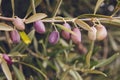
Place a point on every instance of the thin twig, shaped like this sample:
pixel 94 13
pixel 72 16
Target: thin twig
pixel 58 19
pixel 71 19
pixel 33 6
pixel 6 18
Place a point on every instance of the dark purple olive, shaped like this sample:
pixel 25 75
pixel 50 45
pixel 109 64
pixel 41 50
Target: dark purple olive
pixel 7 59
pixel 54 37
pixel 18 23
pixel 76 38
pixel 65 34
pixel 15 37
pixel 39 27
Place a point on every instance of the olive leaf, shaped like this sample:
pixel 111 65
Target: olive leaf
pixel 93 15
pixel 24 37
pixel 35 68
pixel 6 70
pixel 115 22
pixel 35 44
pixel 113 42
pixel 13 6
pixel 82 24
pixel 35 17
pixel 37 2
pixel 0 4
pixel 64 28
pixel 18 73
pixel 95 72
pixel 89 54
pixel 107 61
pixel 5 27
pixel 99 2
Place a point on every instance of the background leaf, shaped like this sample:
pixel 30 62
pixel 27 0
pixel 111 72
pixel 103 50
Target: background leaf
pixel 99 2
pixel 18 73
pixel 6 70
pixel 95 72
pixel 113 42
pixel 107 61
pixel 89 54
pixel 37 2
pixel 35 68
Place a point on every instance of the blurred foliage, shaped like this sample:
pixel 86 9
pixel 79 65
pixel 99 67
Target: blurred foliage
pixel 41 60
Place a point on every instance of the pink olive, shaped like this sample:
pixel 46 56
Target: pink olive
pixel 65 34
pixel 101 32
pixel 92 33
pixel 15 37
pixel 39 26
pixel 76 38
pixel 54 37
pixel 18 23
pixel 7 59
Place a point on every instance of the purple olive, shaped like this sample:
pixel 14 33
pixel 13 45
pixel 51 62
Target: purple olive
pixel 76 38
pixel 101 32
pixel 7 59
pixel 54 37
pixel 15 37
pixel 65 34
pixel 39 27
pixel 92 33
pixel 18 23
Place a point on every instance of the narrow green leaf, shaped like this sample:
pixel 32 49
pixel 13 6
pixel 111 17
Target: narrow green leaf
pixel 107 61
pixel 35 68
pixel 31 78
pixel 89 54
pixel 99 2
pixel 18 73
pixel 35 43
pixel 64 74
pixel 93 15
pixel 29 11
pixel 0 4
pixel 57 8
pixel 63 43
pixel 117 8
pixel 33 6
pixel 13 7
pixel 64 28
pixel 5 27
pixel 82 24
pixel 95 72
pixel 113 42
pixel 6 70
pixel 22 46
pixel 75 75
pixel 35 17
pixel 115 22
pixel 24 37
